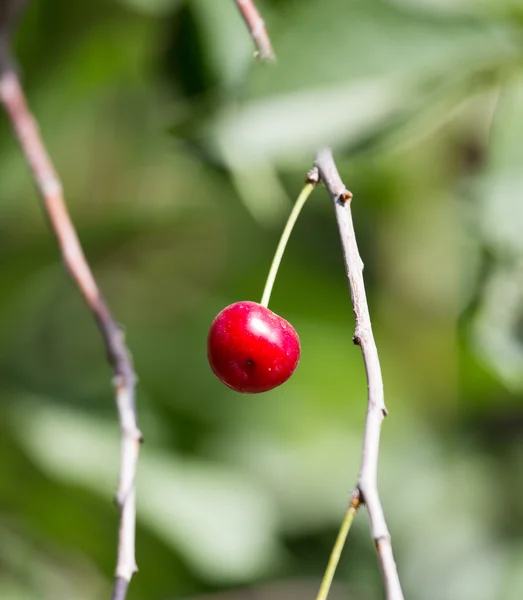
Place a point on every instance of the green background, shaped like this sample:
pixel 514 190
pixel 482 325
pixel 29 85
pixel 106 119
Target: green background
pixel 180 157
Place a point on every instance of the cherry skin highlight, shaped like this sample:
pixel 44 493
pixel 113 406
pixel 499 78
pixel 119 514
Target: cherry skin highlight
pixel 251 349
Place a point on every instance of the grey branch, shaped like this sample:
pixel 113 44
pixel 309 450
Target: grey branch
pixel 367 485
pixel 50 189
pixel 257 29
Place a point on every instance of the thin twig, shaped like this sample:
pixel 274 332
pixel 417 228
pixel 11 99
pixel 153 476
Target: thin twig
pixel 334 558
pixel 367 484
pixel 257 29
pixel 50 189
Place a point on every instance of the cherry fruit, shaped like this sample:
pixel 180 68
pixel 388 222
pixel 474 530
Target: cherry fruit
pixel 251 349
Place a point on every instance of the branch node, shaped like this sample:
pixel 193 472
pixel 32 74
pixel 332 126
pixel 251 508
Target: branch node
pixel 361 496
pixel 356 499
pixel 345 197
pixel 380 541
pixel 313 176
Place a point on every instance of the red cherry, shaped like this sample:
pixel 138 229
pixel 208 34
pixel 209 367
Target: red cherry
pixel 251 349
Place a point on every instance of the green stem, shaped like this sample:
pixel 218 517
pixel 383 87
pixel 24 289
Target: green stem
pixel 338 547
pixel 296 209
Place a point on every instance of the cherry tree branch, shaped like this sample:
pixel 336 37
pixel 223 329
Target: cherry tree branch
pixel 50 189
pixel 367 484
pixel 257 29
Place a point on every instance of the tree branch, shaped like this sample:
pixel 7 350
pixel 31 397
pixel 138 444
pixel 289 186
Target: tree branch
pixel 50 189
pixel 367 485
pixel 257 29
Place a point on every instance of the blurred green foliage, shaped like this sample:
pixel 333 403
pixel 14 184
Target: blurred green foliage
pixel 180 157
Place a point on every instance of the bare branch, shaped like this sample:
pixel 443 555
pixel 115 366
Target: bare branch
pixel 50 189
pixel 257 29
pixel 367 484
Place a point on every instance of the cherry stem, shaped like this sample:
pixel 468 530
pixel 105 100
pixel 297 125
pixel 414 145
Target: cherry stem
pixel 334 559
pixel 291 221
